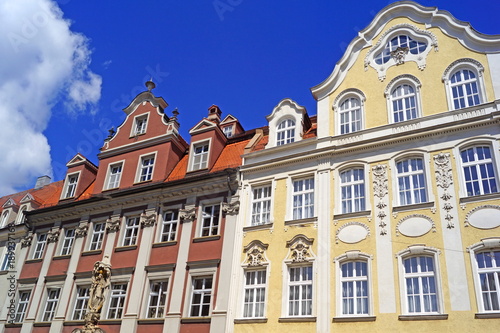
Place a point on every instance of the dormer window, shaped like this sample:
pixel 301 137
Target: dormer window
pixel 70 186
pixel 200 156
pixel 285 133
pixel 228 131
pixel 5 218
pixel 140 125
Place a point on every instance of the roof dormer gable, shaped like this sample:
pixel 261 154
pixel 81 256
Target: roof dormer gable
pixel 287 123
pixel 29 198
pixel 81 173
pixel 231 126
pixel 9 203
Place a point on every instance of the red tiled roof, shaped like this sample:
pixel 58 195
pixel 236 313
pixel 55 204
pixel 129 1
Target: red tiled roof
pixel 45 196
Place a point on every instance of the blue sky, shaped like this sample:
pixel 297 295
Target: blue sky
pixel 69 67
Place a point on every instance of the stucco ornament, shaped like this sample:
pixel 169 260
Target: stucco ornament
pixel 380 189
pixel 101 276
pixel 26 240
pixel 81 230
pixel 148 220
pixel 444 179
pixel 300 249
pixel 113 223
pixel 399 55
pixel 188 214
pixel 53 235
pixel 255 254
pixel 231 208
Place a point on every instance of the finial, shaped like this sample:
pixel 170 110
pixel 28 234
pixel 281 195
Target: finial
pixel 111 132
pixel 150 84
pixel 175 113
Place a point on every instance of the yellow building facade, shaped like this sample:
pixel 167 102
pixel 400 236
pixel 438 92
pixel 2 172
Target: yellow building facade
pixel 382 212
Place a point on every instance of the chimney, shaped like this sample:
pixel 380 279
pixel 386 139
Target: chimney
pixel 42 181
pixel 214 113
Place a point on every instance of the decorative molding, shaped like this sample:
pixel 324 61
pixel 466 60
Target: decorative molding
pixel 53 235
pixel 433 225
pixel 407 77
pixel 477 64
pixel 187 214
pixel 444 179
pixel 148 218
pixel 349 91
pixel 256 254
pixel 113 223
pixel 300 249
pixel 380 189
pixel 231 208
pixel 472 211
pixel 26 240
pixel 82 229
pixel 351 224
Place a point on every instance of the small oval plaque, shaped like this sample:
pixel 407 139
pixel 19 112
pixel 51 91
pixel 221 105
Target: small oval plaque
pixel 415 227
pixel 352 234
pixel 485 218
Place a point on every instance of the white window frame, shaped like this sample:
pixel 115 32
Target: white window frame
pixel 395 83
pixel 420 251
pixel 120 295
pixel 288 130
pixel 136 128
pixel 493 146
pixel 214 222
pixel 69 189
pixel 6 257
pixel 353 257
pixel 196 273
pixel 262 287
pixel 162 294
pixel 20 214
pixel 301 284
pixel 40 245
pixel 469 64
pixel 351 186
pixel 156 276
pixel 228 130
pixel 22 305
pixel 292 194
pixel 410 176
pixel 5 219
pixel 109 185
pixel 52 297
pixel 100 235
pixel 141 167
pixel 204 157
pixel 491 244
pixel 260 203
pixel 131 233
pixel 80 302
pixel 170 227
pixel 68 240
pixel 339 101
pixel 204 291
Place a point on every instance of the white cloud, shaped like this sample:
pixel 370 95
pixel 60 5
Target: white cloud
pixel 42 63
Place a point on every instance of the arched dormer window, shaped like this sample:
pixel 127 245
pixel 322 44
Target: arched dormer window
pixel 403 98
pixel 20 215
pixel 348 107
pixel 285 133
pixel 5 218
pixel 400 44
pixel 464 84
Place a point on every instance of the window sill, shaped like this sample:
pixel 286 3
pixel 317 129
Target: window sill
pixel 125 248
pixel 251 321
pixel 258 227
pixel 492 315
pixel 353 319
pixel 42 324
pixel 422 205
pixel 66 256
pixel 362 213
pixel 110 321
pixel 206 239
pixel 5 272
pixel 91 252
pixel 196 320
pixel 297 320
pixel 149 321
pixel 423 317
pixel 142 182
pixel 73 323
pixel 13 325
pixel 302 221
pixel 162 244
pixel 482 197
pixel 31 261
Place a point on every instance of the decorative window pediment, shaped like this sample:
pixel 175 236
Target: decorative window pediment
pixel 255 254
pixel 401 43
pixel 300 249
pixel 287 123
pixel 9 203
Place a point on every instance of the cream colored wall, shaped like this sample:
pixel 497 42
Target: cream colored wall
pixel 433 93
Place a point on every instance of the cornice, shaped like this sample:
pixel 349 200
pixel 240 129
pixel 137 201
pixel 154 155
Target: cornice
pixel 143 144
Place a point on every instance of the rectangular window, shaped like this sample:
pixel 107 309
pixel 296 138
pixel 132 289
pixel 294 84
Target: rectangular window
pixel 255 294
pixel 201 297
pixel 352 190
pixel 8 258
pixel 39 246
pixel 228 131
pixel 146 170
pixel 51 304
pixel 479 171
pixel 169 226
pixel 22 305
pixel 411 181
pixel 421 293
pixel 303 198
pixel 300 291
pixel 115 173
pixel 97 236
pixel 210 220
pixel 261 205
pixel 69 238
pixel 82 299
pixel 200 156
pixel 117 297
pixel 157 299
pixel 488 268
pixel 354 282
pixel 131 231
pixel 71 182
pixel 140 125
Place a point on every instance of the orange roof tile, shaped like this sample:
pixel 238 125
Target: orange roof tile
pixel 45 196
